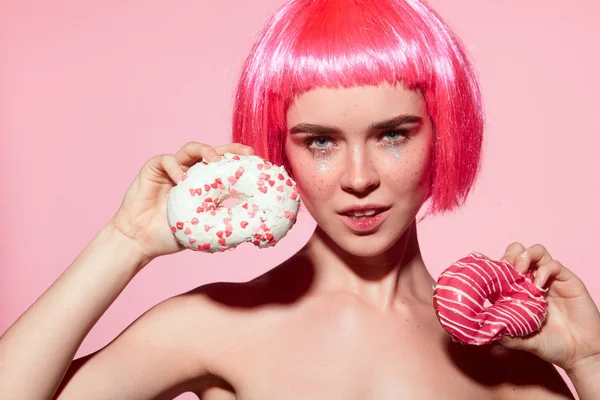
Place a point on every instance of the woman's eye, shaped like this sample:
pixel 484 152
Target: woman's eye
pixel 321 141
pixel 393 135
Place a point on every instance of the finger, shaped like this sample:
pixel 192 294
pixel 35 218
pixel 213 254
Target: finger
pixel 551 270
pixel 520 343
pixel 512 251
pixel 536 255
pixel 236 148
pixel 193 152
pixel 163 166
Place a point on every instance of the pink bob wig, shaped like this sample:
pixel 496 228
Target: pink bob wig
pixel 345 43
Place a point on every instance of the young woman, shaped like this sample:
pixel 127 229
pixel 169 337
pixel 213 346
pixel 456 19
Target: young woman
pixel 374 108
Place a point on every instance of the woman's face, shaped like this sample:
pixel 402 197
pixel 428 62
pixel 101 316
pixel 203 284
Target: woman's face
pixel 359 156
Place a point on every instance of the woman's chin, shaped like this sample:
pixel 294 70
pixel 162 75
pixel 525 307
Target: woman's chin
pixel 364 245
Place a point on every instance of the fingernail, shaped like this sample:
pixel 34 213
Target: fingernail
pixel 521 261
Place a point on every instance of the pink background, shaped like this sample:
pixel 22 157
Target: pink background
pixel 90 90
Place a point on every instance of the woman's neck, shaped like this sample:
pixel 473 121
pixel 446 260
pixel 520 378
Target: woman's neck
pixel 383 281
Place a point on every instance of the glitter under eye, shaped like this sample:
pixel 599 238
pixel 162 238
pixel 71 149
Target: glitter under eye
pixel 395 151
pixel 323 166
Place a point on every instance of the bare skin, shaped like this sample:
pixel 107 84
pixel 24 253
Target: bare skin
pixel 348 317
pixel 331 344
pixel 279 336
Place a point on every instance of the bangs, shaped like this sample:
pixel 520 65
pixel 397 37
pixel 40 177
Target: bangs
pixel 343 44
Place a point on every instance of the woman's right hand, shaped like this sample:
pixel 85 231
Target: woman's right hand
pixel 142 216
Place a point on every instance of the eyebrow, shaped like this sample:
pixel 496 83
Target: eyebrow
pixel 328 130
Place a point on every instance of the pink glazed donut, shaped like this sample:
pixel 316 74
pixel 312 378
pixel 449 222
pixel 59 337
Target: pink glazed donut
pixel 267 208
pixel 518 307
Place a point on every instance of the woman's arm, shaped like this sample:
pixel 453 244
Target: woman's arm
pixel 586 379
pixel 37 350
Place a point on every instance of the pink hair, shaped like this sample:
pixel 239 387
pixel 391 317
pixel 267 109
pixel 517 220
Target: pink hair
pixel 344 43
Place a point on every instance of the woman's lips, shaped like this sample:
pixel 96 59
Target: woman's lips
pixel 365 224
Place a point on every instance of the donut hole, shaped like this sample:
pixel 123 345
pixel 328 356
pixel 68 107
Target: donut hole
pixel 231 202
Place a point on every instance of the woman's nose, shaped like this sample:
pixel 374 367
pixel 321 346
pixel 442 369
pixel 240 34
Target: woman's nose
pixel 360 177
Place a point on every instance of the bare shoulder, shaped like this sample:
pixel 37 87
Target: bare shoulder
pixel 526 376
pixel 160 355
pixel 185 343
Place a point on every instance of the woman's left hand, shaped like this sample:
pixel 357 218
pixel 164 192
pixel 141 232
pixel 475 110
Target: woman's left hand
pixel 570 336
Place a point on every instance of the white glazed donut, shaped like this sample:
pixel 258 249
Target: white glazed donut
pixel 268 208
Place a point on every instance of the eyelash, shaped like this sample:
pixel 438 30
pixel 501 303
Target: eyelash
pixel 310 141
